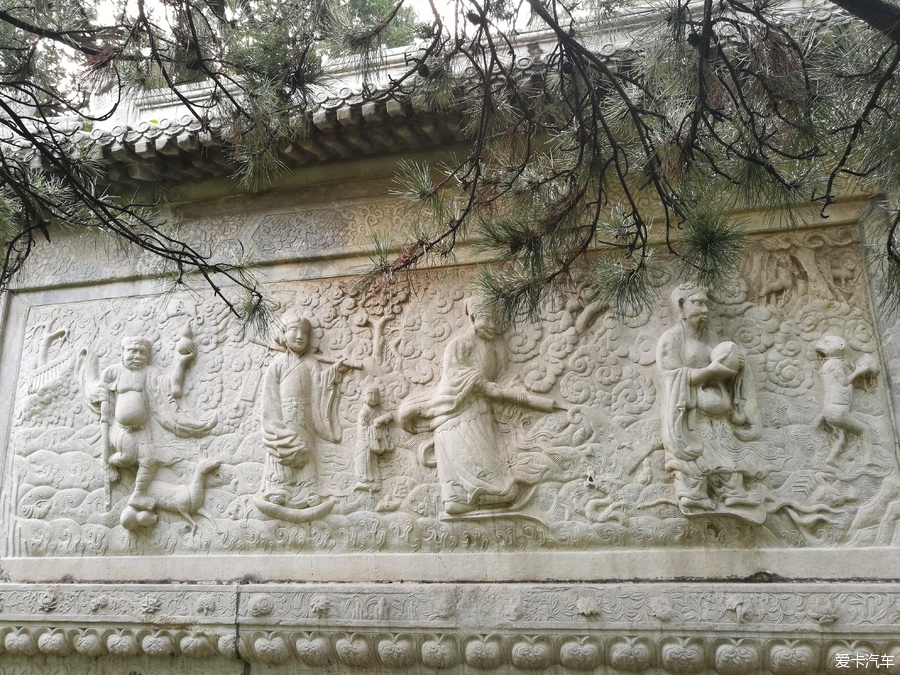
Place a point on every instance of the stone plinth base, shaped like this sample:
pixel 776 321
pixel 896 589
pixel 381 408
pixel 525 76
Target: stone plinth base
pixel 641 627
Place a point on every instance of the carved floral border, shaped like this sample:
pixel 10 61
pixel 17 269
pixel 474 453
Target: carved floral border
pixel 726 628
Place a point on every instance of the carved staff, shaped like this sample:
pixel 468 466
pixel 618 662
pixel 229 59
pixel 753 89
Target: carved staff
pixel 104 446
pixel 318 357
pixel 330 362
pixel 521 398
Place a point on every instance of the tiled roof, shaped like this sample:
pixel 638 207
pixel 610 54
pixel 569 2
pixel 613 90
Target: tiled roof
pixel 340 128
pixel 344 123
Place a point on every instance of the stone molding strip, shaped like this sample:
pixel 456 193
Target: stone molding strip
pixel 583 566
pixel 726 628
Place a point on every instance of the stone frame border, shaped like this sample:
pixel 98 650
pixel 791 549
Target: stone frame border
pixel 634 627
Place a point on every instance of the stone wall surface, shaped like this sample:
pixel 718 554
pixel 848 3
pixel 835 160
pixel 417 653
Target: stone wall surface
pixel 395 484
pixel 610 628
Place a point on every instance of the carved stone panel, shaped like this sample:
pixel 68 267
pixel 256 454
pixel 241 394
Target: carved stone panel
pixel 290 233
pixel 748 416
pixel 651 628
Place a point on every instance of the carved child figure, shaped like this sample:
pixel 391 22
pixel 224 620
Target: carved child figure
pixel 299 406
pixel 141 399
pixel 838 378
pixel 373 439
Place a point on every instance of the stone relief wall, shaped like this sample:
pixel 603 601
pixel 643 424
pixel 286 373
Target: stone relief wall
pixel 754 415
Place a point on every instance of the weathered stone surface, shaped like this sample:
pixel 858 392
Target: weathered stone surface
pixel 754 416
pixel 628 628
pixel 726 433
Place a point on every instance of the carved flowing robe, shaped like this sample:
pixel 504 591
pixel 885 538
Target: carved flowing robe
pixel 372 441
pixel 473 468
pixel 702 424
pixel 299 405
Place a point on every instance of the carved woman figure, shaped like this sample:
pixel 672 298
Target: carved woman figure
pixel 474 469
pixel 709 405
pixel 299 406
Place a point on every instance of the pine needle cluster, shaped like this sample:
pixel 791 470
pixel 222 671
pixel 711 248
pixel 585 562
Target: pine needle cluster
pixel 705 111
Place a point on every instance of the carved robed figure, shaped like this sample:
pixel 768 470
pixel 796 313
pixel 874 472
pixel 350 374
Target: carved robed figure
pixel 475 469
pixel 373 439
pixel 299 406
pixel 709 407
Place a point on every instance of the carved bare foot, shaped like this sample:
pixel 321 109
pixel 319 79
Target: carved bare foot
pixel 304 501
pixel 453 508
pixel 690 504
pixel 132 518
pixel 742 500
pixel 279 498
pixel 146 518
pixel 142 502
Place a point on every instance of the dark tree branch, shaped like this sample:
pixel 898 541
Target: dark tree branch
pixel 84 41
pixel 881 15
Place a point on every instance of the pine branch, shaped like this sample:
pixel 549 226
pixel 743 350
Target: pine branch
pixel 881 15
